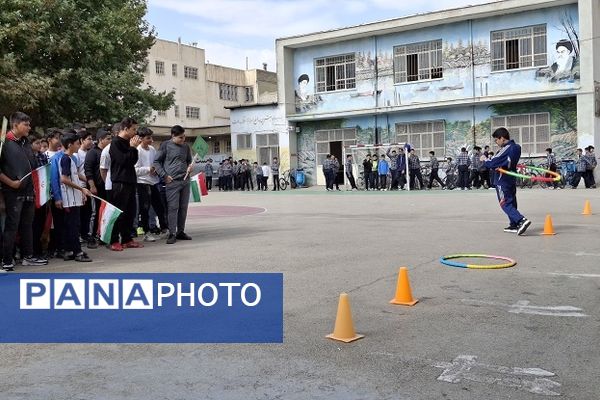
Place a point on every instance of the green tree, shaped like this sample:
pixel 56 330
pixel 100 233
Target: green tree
pixel 76 60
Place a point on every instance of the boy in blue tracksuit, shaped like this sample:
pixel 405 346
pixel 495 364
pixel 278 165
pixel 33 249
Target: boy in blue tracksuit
pixel 507 158
pixel 383 169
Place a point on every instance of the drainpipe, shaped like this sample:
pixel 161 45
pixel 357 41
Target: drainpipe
pixel 376 92
pixel 473 81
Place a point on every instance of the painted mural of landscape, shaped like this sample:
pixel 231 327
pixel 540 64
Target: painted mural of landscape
pixel 459 132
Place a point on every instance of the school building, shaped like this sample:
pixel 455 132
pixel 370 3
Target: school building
pixel 438 81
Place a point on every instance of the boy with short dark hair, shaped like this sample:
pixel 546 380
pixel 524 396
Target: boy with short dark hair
pixel 507 158
pixel 435 165
pixel 275 172
pixel 74 196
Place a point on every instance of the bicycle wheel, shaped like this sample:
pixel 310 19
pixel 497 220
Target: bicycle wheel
pixel 360 183
pixel 283 184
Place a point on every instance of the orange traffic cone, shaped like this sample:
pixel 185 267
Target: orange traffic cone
pixel 587 208
pixel 403 292
pixel 548 228
pixel 344 327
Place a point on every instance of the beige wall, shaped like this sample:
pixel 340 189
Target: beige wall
pixel 188 92
pixel 204 92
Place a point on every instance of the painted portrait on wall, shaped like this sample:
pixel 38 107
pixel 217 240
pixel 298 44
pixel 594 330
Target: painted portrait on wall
pixel 305 98
pixel 566 63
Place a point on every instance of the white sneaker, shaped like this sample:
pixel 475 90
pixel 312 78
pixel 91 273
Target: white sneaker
pixel 148 237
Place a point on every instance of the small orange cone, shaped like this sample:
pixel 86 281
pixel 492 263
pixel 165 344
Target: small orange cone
pixel 344 327
pixel 587 208
pixel 403 292
pixel 548 228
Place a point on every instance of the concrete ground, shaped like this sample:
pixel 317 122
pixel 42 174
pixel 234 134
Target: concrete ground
pixel 526 332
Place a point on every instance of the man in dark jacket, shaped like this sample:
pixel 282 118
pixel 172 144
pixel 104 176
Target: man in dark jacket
pixel 16 163
pixel 173 163
pixel 123 156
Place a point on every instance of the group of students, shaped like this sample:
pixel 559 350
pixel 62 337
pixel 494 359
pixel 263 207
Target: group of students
pixel 241 175
pixel 120 167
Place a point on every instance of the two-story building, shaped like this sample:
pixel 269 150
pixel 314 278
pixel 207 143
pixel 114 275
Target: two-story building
pixel 202 91
pixel 444 80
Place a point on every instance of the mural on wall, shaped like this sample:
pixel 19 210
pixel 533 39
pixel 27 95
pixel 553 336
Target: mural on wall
pixel 566 57
pixel 306 100
pixel 563 121
pixel 467 68
pixel 459 128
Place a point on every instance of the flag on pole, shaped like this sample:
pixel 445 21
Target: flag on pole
pixel 41 185
pixel 195 191
pixel 202 183
pixel 200 147
pixel 106 220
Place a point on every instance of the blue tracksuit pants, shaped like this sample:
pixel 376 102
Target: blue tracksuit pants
pixel 507 196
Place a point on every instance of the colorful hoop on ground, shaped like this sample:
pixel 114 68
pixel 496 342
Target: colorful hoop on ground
pixel 555 176
pixel 510 263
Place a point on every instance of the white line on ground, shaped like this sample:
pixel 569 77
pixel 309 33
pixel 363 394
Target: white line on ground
pixel 461 368
pixel 523 307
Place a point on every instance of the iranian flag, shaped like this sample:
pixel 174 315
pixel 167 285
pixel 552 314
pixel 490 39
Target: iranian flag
pixel 107 216
pixel 41 185
pixel 198 187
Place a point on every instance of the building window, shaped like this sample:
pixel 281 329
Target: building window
pixel 159 66
pixel 335 73
pixel 324 138
pixel 192 112
pixel 249 94
pixel 216 147
pixel 228 146
pixel 418 61
pixel 228 92
pixel 174 69
pixel 162 113
pixel 244 141
pixel 519 48
pixel 176 111
pixel 190 72
pixel 423 136
pixel 267 147
pixel 531 131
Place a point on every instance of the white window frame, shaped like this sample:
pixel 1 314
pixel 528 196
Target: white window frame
pixel 162 113
pixel 532 47
pixel 174 69
pixel 531 131
pixel 335 73
pixel 192 112
pixel 268 145
pixel 190 72
pixel 324 137
pixel 423 136
pixel 428 61
pixel 244 141
pixel 176 108
pixel 159 67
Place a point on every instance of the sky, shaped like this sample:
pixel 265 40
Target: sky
pixel 231 30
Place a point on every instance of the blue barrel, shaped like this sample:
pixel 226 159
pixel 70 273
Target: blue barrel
pixel 300 177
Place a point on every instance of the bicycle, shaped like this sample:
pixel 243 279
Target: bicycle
pixel 287 179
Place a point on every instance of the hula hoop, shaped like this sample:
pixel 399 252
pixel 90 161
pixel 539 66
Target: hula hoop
pixel 444 260
pixel 555 176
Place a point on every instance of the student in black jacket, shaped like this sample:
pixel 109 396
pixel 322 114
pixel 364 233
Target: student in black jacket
pixel 123 156
pixel 94 179
pixel 16 163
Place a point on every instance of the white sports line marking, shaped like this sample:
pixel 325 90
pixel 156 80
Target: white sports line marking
pixel 574 275
pixel 523 307
pixel 462 368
